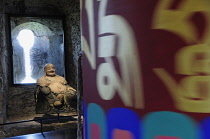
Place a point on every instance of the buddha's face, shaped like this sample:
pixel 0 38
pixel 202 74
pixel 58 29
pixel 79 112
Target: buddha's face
pixel 50 70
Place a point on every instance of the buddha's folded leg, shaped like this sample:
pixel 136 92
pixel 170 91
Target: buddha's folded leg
pixel 69 96
pixel 51 98
pixel 61 97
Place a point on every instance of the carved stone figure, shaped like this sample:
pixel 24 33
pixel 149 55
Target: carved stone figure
pixel 54 89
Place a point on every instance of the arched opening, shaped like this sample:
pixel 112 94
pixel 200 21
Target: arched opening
pixel 34 45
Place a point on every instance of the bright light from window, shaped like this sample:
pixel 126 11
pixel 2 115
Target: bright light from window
pixel 26 40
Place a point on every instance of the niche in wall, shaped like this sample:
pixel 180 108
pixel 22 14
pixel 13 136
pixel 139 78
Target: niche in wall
pixel 35 42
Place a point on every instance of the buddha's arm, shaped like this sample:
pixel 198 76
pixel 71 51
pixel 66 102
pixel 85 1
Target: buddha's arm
pixel 68 87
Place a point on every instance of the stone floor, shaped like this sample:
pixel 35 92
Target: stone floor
pixel 59 134
pixel 64 121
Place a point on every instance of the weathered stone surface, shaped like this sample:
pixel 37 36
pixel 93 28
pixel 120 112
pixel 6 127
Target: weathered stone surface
pixel 21 101
pixel 1 96
pixel 2 134
pixel 1 107
pixel 1 119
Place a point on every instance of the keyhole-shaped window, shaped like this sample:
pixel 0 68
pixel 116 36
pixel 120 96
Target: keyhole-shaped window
pixel 26 40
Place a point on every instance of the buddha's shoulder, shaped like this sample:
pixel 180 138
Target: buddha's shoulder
pixel 43 78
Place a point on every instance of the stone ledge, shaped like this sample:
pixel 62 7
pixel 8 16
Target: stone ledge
pixel 18 129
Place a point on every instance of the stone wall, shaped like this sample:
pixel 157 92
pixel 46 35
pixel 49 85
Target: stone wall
pixel 20 98
pixel 3 65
